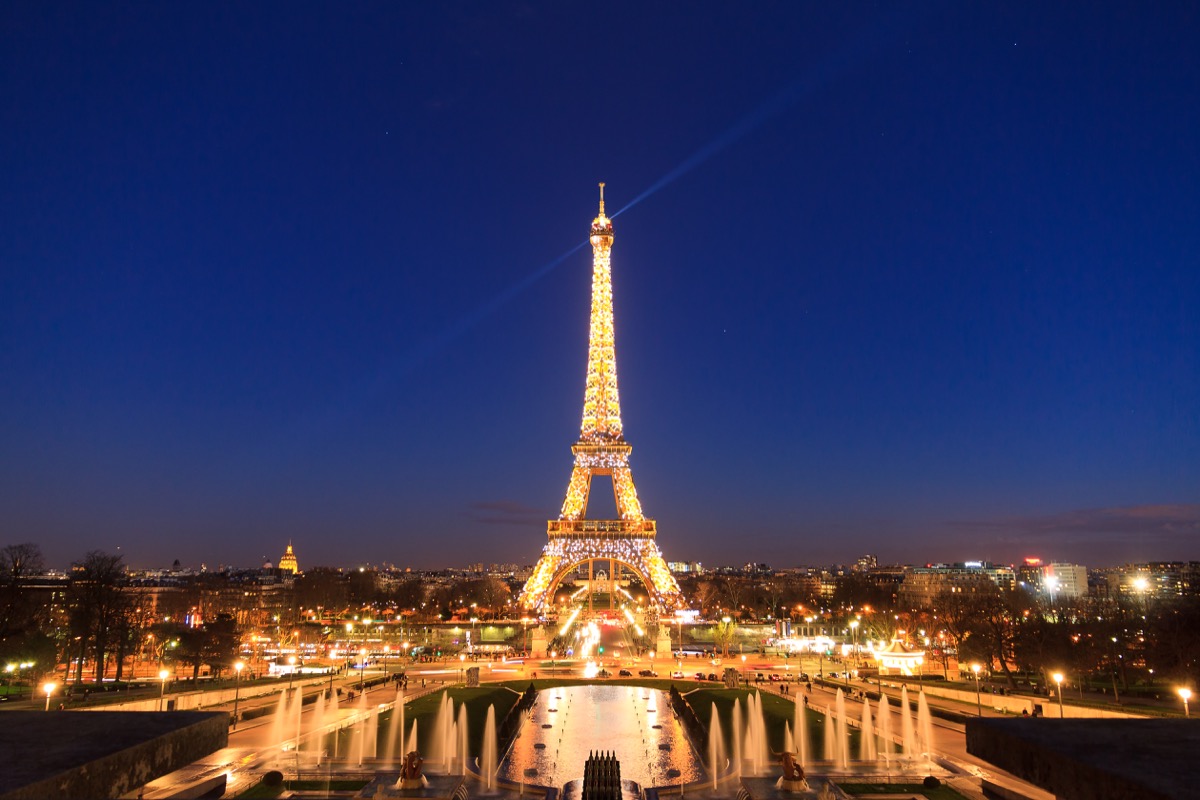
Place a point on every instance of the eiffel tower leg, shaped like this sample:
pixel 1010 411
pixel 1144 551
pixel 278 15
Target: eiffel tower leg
pixel 638 552
pixel 616 581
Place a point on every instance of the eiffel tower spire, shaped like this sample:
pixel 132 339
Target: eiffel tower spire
pixel 601 450
pixel 601 401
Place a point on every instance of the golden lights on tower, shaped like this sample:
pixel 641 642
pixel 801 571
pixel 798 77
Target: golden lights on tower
pixel 601 450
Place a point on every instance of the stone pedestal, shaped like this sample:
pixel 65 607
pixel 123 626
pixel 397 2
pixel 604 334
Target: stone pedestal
pixel 664 648
pixel 538 645
pixel 789 785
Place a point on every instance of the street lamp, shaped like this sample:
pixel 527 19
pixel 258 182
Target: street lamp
pixel 291 671
pixel 978 702
pixel 745 679
pixel 1058 679
pixel 362 669
pixel 163 674
pixel 387 650
pixel 462 665
pixel 49 688
pixel 237 690
pixel 854 634
pixel 1185 694
pixel 553 655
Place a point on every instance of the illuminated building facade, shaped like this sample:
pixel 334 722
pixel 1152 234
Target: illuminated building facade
pixel 287 561
pixel 625 543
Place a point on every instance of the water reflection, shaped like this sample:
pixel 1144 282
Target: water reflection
pixel 635 723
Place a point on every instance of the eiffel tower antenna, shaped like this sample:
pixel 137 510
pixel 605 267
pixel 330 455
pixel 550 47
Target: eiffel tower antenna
pixel 601 450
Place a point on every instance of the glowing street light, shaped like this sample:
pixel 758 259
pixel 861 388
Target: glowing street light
pixel 237 691
pixel 1185 694
pixel 163 674
pixel 978 703
pixel 1058 679
pixel 49 688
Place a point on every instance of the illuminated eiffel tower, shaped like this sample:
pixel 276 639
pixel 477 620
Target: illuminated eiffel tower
pixel 628 542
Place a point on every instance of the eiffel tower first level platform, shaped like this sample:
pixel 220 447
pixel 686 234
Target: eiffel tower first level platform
pixel 628 542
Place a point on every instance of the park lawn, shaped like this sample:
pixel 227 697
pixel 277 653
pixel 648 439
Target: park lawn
pixel 942 792
pixel 777 712
pixel 423 711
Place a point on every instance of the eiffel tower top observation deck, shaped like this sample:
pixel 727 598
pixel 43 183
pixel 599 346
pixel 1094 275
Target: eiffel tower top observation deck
pixel 601 450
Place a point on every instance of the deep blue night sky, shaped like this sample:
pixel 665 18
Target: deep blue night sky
pixel 924 282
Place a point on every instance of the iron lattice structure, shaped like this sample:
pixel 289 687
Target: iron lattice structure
pixel 601 450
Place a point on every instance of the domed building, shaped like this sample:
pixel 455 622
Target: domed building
pixel 287 562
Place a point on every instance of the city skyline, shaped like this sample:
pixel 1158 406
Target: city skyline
pixel 894 283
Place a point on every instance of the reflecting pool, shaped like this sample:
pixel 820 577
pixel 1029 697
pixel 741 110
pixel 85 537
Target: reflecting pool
pixel 633 722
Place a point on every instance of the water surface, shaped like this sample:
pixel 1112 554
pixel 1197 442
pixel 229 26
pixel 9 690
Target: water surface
pixel 585 719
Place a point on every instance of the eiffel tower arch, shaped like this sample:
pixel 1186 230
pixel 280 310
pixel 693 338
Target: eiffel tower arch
pixel 601 450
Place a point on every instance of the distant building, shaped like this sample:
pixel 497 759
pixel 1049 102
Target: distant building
pixel 287 562
pixel 1156 579
pixel 866 563
pixel 922 585
pixel 1064 580
pixel 686 567
pixel 1030 574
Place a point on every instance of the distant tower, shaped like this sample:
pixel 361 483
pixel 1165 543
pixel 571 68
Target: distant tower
pixel 601 450
pixel 287 562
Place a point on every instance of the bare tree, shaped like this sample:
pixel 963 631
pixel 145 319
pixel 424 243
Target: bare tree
pixel 96 604
pixel 18 563
pixel 733 590
pixel 706 595
pixel 23 622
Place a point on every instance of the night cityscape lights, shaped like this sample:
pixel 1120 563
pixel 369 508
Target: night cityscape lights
pixel 601 450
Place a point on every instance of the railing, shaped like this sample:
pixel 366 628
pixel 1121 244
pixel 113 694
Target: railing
pixel 602 528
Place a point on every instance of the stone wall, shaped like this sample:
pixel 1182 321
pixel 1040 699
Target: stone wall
pixel 1014 704
pixel 1147 759
pixel 192 701
pixel 102 754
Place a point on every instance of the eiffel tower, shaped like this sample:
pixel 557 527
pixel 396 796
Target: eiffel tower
pixel 628 542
